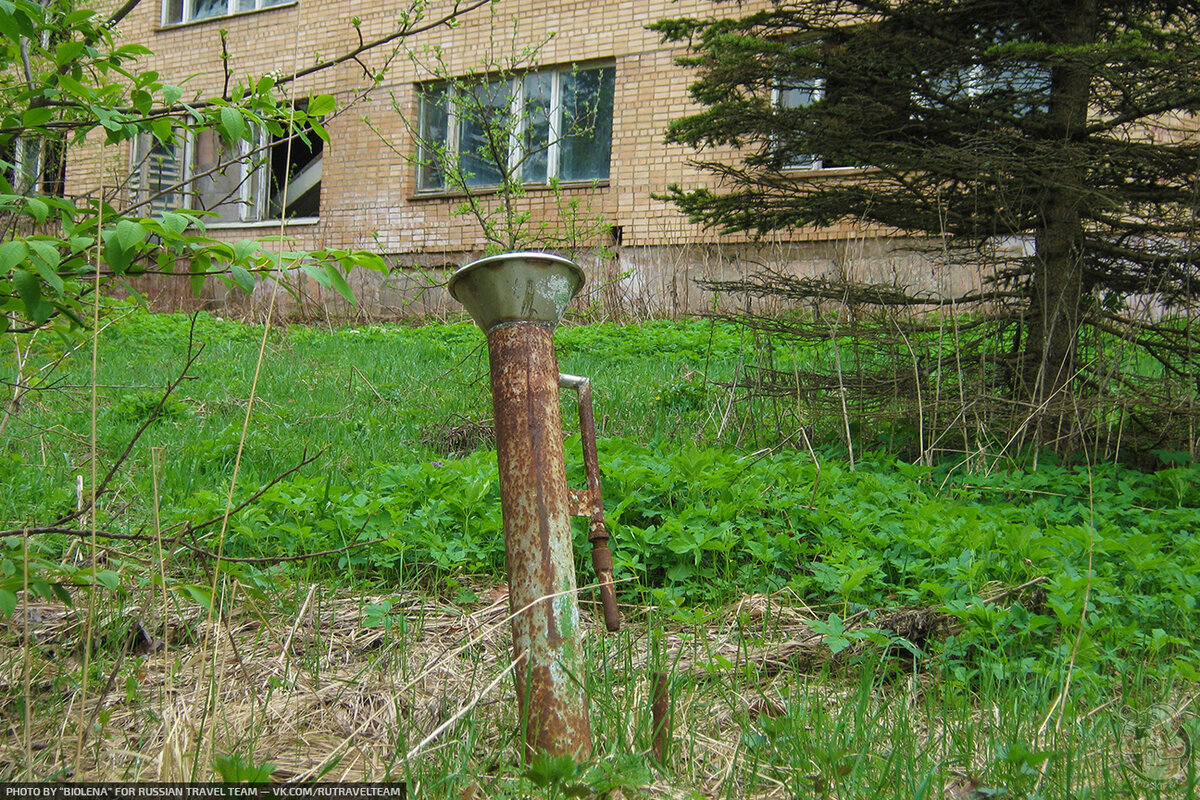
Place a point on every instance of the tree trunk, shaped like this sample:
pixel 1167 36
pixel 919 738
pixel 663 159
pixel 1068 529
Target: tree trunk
pixel 1056 297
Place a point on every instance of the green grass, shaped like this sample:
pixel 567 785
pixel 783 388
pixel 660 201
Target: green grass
pixel 360 395
pixel 919 676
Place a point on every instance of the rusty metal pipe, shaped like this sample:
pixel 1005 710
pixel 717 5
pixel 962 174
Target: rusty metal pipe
pixel 660 722
pixel 518 299
pixel 590 502
pixel 537 539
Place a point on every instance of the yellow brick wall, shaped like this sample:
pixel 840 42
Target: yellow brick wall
pixel 367 190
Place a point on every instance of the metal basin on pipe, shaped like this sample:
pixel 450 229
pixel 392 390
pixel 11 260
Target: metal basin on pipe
pixel 518 300
pixel 517 287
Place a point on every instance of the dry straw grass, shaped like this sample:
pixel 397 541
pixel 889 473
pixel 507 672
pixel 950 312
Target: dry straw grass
pixel 318 693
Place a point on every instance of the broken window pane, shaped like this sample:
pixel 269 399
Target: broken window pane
pixel 203 9
pixel 175 12
pixel 35 165
pixel 295 175
pixel 172 11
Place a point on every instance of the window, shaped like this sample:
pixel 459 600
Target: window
pixel 276 176
pixel 35 165
pixel 175 12
pixel 541 126
pixel 802 94
pixel 1018 90
pixel 289 181
pixel 159 174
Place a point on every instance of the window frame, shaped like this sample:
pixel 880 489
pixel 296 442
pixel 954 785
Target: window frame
pixel 30 172
pixel 187 10
pixel 816 93
pixel 430 177
pixel 143 147
pixel 251 164
pixel 814 162
pixel 972 82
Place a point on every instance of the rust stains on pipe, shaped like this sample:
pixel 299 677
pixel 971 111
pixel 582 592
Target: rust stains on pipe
pixel 591 503
pixel 537 540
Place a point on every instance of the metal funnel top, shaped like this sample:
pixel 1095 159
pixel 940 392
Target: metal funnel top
pixel 517 287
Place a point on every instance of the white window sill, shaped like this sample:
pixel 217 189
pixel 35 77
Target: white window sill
pixel 294 222
pixel 436 194
pixel 799 170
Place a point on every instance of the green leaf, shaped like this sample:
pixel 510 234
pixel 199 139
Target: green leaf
pixel 62 594
pixel 8 602
pixel 316 273
pixel 76 17
pixel 368 260
pixel 30 290
pixel 244 248
pixel 37 209
pixel 199 266
pixel 130 234
pixel 108 578
pixel 115 256
pixel 173 222
pixel 319 130
pixel 199 595
pixel 46 252
pixel 321 105
pixel 338 283
pixel 46 267
pixel 113 121
pixel 133 50
pixel 67 52
pixel 232 124
pixel 171 94
pixel 242 278
pixel 1186 670
pixel 162 129
pixel 36 117
pixel 11 254
pixel 238 769
pixel 142 101
pixel 546 768
pixel 24 26
pixel 74 87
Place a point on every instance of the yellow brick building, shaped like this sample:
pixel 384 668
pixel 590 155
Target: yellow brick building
pixel 367 192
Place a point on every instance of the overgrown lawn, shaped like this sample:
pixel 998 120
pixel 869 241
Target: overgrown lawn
pixel 965 628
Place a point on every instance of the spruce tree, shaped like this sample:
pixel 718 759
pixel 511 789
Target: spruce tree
pixel 1064 125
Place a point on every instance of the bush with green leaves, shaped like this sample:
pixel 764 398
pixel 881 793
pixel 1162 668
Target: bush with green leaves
pixel 1115 553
